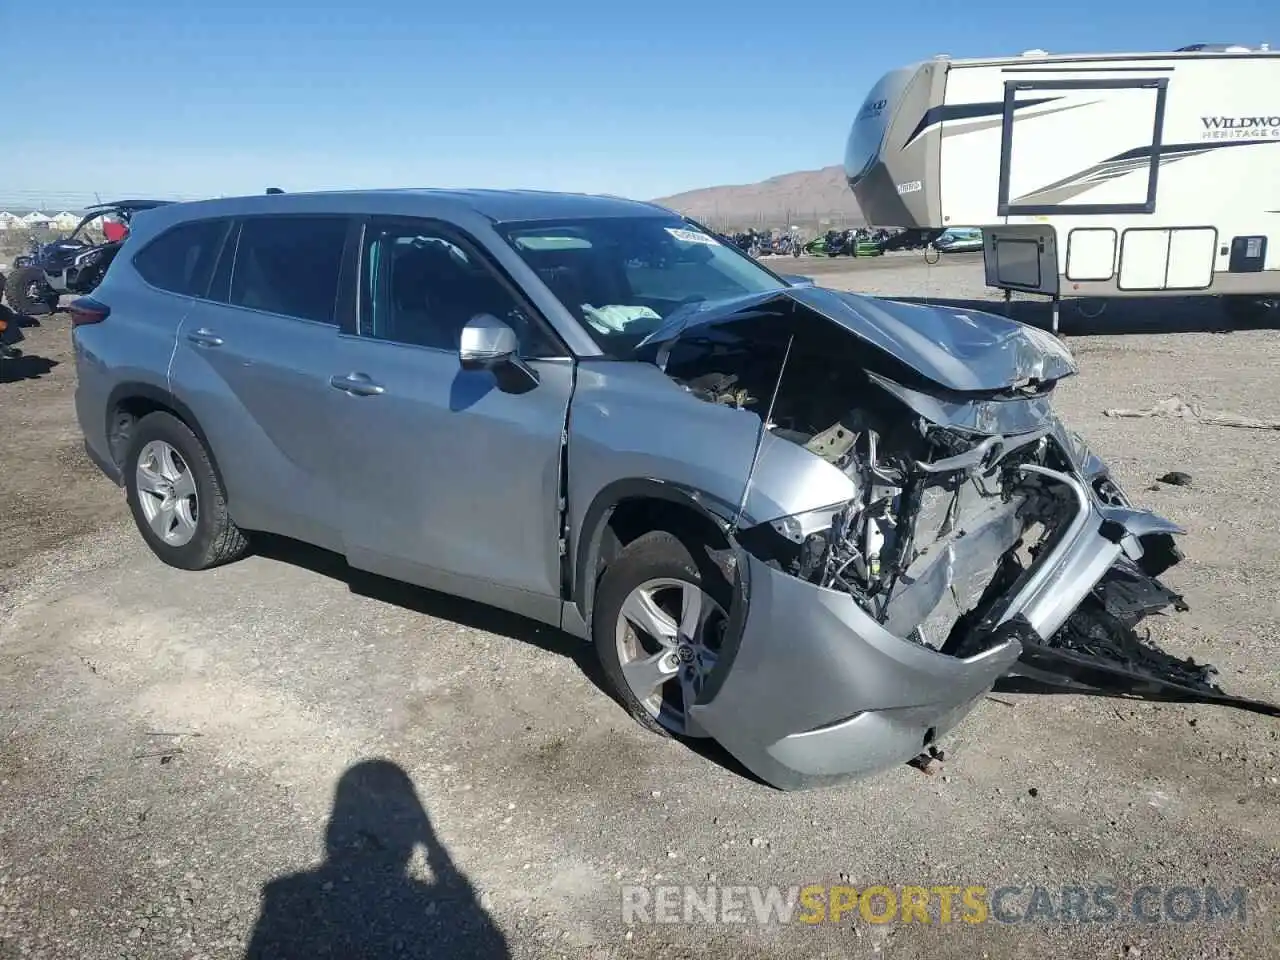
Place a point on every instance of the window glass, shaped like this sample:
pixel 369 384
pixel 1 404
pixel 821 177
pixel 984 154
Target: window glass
pixel 421 286
pixel 289 265
pixel 181 259
pixel 622 277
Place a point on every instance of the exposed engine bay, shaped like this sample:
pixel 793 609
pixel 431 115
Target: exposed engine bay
pixel 944 523
pixel 920 488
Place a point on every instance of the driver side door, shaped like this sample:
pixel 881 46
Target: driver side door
pixel 445 480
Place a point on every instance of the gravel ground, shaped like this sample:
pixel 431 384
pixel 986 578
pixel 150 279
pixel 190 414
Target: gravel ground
pixel 185 758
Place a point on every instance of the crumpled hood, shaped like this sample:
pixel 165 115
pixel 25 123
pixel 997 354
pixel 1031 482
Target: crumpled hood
pixel 961 350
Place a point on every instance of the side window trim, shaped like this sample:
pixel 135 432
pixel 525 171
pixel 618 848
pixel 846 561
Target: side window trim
pixel 230 244
pixel 469 245
pixel 349 273
pixel 227 225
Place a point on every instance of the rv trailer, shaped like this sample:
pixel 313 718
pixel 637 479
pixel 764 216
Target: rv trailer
pixel 1090 175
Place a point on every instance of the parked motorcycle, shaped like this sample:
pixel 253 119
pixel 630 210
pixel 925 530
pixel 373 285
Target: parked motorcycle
pixel 838 243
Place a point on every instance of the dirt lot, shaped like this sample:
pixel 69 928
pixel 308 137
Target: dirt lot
pixel 180 753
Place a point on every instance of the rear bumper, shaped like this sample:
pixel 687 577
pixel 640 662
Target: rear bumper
pixel 108 468
pixel 92 397
pixel 816 691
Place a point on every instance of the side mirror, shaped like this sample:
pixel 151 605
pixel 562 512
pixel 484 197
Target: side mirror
pixel 489 344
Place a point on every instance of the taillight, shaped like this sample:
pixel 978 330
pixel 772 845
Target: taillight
pixel 88 310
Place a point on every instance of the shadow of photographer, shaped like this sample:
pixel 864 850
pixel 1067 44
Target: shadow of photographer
pixel 362 901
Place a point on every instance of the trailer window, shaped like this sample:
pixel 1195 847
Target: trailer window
pixel 1081 146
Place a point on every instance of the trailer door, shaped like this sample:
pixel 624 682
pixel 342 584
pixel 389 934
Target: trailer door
pixel 1087 147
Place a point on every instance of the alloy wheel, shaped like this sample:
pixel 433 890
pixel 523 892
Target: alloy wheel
pixel 668 636
pixel 167 493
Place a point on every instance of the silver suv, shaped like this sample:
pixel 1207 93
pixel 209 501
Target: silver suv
pixel 812 525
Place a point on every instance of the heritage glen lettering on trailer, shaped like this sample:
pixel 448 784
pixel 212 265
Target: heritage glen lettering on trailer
pixel 1218 128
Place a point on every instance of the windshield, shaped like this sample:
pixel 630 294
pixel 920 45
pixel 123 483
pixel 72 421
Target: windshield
pixel 622 277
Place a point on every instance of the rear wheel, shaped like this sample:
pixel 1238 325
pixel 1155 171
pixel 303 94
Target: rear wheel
pixel 176 498
pixel 659 620
pixel 28 293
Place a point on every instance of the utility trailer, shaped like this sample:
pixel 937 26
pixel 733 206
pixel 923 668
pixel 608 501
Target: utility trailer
pixel 1110 175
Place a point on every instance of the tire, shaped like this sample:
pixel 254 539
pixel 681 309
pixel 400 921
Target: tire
pixel 653 557
pixel 19 286
pixel 213 538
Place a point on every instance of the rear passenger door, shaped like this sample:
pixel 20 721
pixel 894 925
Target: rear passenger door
pixel 446 480
pixel 253 362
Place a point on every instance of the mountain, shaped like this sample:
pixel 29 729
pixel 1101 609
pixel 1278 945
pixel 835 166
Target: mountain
pixel 805 198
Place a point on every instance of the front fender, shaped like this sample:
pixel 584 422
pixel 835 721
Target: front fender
pixel 589 538
pixel 633 431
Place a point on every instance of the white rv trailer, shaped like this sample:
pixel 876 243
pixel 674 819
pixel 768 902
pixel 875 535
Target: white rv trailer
pixel 1090 175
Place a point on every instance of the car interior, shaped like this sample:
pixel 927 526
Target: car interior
pixel 429 289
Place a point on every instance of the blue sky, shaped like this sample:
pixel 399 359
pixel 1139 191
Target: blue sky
pixel 638 97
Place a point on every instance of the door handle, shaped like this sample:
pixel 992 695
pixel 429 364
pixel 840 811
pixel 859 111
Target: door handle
pixel 357 384
pixel 204 338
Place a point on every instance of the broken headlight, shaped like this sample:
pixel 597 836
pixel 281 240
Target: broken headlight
pixel 1090 466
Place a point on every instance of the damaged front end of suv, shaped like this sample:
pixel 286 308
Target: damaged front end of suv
pixel 975 540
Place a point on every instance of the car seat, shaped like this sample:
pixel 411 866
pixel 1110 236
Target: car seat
pixel 430 298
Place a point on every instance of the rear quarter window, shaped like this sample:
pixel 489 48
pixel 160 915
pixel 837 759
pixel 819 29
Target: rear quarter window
pixel 181 260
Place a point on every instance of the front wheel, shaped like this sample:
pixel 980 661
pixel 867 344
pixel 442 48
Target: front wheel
pixel 658 623
pixel 176 497
pixel 28 293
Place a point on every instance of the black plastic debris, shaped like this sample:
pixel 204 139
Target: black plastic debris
pixel 1098 651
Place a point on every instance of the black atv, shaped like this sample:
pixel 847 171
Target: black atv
pixel 73 264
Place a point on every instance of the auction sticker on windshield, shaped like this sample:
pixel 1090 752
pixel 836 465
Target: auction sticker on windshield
pixel 691 236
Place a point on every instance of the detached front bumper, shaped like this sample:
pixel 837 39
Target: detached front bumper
pixel 815 691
